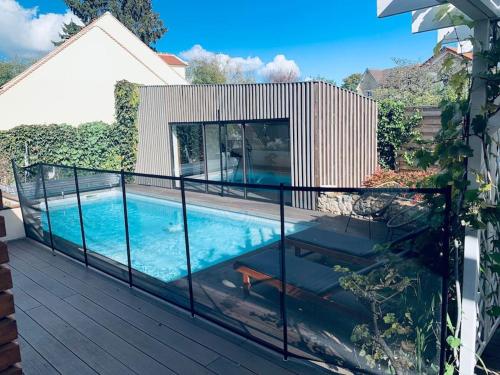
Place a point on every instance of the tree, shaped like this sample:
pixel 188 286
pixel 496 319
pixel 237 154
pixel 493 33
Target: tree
pixel 205 72
pixel 411 83
pixel 351 82
pixel 396 128
pixel 69 29
pixel 10 69
pixel 136 15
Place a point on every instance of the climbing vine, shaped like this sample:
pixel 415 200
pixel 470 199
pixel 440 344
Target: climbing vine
pixel 126 112
pixel 474 205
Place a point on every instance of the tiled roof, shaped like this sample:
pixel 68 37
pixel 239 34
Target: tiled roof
pixel 171 59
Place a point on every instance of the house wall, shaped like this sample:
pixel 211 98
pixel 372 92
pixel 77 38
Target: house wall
pixel 367 85
pixel 13 223
pixel 180 70
pixel 332 130
pixel 76 84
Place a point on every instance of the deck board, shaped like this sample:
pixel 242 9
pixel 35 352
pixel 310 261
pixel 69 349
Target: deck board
pixel 53 351
pixel 34 363
pixel 77 320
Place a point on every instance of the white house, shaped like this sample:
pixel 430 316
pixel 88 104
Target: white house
pixel 75 82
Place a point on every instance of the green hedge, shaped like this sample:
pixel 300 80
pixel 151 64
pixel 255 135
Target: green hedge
pixel 126 111
pixel 92 145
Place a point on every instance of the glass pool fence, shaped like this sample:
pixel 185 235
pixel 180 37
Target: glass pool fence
pixel 351 277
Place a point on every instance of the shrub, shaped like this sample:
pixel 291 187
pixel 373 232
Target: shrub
pixel 403 178
pixel 396 128
pixel 91 145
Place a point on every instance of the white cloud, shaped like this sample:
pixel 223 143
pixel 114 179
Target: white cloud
pixel 281 70
pixel 226 62
pixel 26 33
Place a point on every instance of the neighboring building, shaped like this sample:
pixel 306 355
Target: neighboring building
pixel 175 62
pixel 75 82
pixel 300 134
pixel 372 79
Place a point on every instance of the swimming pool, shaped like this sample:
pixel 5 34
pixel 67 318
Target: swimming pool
pixel 156 231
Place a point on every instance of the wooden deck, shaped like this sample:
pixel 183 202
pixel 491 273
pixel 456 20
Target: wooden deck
pixel 74 320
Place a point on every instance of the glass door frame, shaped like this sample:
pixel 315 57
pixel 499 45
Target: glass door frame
pixel 242 124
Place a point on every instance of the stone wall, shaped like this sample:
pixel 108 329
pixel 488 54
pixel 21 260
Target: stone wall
pixel 337 203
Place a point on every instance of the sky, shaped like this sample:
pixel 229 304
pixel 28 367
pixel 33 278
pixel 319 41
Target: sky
pixel 327 38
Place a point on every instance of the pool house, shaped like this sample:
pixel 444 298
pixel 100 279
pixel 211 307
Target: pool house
pixel 299 134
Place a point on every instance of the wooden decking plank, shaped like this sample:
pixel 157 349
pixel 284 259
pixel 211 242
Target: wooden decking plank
pixel 185 347
pixel 226 348
pixel 254 357
pixel 126 353
pixel 131 334
pixel 22 300
pixel 98 359
pixel 55 353
pixel 96 294
pixel 178 361
pixel 228 345
pixel 224 366
pixel 32 362
pixel 53 286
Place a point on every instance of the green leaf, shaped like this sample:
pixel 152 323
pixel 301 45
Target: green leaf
pixel 449 369
pixel 453 342
pixel 494 311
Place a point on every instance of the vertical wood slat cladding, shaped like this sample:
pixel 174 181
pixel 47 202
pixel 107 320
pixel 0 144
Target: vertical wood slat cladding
pixel 332 130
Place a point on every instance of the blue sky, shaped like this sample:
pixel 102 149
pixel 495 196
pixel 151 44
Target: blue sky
pixel 331 38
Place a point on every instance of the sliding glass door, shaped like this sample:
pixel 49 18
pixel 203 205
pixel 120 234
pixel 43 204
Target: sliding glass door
pixel 243 152
pixel 268 156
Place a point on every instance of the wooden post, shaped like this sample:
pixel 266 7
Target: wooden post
pixel 10 355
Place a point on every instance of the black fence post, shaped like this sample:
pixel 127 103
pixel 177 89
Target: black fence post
pixel 186 239
pixel 445 274
pixel 47 209
pixel 283 273
pixel 16 179
pixel 80 214
pixel 127 237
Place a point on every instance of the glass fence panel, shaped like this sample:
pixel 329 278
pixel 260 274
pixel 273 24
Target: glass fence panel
pixel 364 280
pixel 227 236
pixel 103 220
pixel 364 269
pixel 60 187
pixel 157 241
pixel 30 192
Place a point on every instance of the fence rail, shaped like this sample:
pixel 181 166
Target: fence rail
pixel 281 276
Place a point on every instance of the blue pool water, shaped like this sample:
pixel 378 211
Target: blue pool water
pixel 157 233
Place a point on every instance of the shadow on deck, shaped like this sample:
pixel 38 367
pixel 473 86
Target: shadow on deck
pixel 74 320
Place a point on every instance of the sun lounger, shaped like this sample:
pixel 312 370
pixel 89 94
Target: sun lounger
pixel 303 277
pixel 345 247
